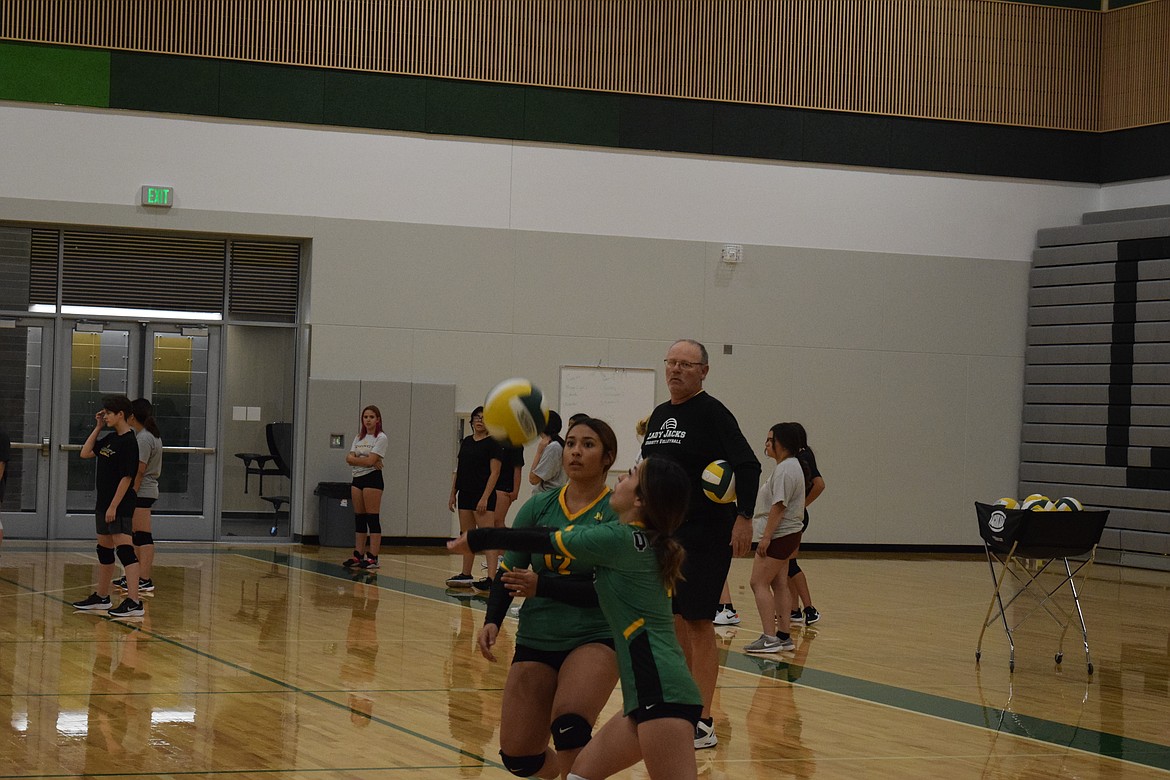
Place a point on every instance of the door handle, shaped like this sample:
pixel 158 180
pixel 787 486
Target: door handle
pixel 45 447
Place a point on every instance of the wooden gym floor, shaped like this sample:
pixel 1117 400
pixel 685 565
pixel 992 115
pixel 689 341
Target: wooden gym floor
pixel 272 662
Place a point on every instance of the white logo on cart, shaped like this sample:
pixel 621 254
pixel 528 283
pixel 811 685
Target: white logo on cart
pixel 996 521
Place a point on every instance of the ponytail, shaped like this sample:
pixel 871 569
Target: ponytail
pixel 670 556
pixel 665 491
pixel 143 412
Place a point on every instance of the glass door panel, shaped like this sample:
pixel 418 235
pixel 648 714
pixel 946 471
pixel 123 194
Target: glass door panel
pixel 179 383
pixel 25 348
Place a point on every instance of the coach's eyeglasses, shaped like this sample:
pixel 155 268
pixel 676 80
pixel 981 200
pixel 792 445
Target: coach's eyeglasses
pixel 683 364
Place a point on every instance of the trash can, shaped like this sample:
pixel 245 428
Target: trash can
pixel 335 514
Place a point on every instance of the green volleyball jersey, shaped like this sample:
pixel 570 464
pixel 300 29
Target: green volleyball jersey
pixel 548 624
pixel 637 607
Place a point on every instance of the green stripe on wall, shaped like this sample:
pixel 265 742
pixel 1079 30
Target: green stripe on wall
pixel 54 74
pixel 157 82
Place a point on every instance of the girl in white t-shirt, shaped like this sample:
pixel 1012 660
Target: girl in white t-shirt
pixel 365 457
pixel 780 510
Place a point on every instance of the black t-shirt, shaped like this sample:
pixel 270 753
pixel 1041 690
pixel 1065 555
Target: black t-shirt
pixel 511 457
pixel 5 456
pixel 694 433
pixel 475 464
pixel 808 462
pixel 117 457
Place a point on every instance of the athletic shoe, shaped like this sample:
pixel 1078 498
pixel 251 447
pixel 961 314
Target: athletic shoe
pixel 128 608
pixel 371 562
pixel 482 586
pixel 796 617
pixel 705 734
pixel 93 601
pixel 145 586
pixel 770 644
pixel 811 615
pixel 726 617
pixel 353 561
pixel 459 581
pixel 120 583
pixel 514 611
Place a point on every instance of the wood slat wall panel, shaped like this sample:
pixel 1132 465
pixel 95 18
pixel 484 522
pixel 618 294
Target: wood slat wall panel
pixel 969 60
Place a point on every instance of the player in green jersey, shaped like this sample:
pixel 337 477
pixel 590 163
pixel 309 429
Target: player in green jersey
pixel 637 564
pixel 564 668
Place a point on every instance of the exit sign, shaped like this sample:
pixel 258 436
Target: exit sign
pixel 159 197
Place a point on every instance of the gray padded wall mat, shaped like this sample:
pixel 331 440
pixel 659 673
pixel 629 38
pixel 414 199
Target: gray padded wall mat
pixel 1097 378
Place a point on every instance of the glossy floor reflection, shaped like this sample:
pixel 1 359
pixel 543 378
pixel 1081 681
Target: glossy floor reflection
pixel 276 662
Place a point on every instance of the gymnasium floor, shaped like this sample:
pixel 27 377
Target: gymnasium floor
pixel 271 662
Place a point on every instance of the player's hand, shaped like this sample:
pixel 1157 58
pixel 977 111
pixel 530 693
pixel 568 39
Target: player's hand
pixel 100 418
pixel 481 507
pixel 520 582
pixel 762 548
pixel 741 537
pixel 459 545
pixel 486 640
pixel 451 504
pixel 111 514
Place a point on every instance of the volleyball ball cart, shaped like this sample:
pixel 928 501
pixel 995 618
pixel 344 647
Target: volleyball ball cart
pixel 1024 544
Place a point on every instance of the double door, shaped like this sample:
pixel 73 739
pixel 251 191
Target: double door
pixel 55 373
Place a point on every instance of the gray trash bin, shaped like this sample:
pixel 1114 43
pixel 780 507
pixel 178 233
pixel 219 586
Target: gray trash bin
pixel 335 514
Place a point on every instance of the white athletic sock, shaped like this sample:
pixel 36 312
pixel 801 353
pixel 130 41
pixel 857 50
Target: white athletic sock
pixel 575 777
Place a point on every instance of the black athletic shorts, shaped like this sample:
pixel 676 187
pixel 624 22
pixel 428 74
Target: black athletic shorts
pixel 143 503
pixel 553 658
pixel 372 480
pixel 121 524
pixel 667 709
pixel 468 501
pixel 704 569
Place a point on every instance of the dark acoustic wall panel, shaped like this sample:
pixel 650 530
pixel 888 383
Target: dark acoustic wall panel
pixel 666 124
pixel 1097 379
pixel 274 92
pixel 470 108
pixel 567 117
pixel 154 82
pixel 376 101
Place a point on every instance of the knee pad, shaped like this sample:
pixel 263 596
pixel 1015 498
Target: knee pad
pixel 522 766
pixel 105 554
pixel 375 523
pixel 361 523
pixel 143 538
pixel 126 555
pixel 570 731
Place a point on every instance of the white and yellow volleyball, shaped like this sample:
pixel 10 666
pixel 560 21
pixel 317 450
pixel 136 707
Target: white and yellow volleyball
pixel 515 412
pixel 719 482
pixel 1007 503
pixel 1037 503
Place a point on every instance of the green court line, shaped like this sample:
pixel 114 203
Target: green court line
pixel 289 687
pixel 1000 720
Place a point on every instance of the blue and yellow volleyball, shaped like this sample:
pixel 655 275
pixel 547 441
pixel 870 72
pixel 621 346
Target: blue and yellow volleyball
pixel 515 412
pixel 719 482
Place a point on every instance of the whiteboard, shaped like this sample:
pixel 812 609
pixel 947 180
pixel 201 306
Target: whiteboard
pixel 620 396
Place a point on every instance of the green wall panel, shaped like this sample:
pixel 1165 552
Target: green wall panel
pixel 375 100
pixel 472 108
pixel 156 82
pixel 276 93
pixel 571 117
pixel 54 74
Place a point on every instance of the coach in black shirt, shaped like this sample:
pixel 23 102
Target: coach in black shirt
pixel 693 429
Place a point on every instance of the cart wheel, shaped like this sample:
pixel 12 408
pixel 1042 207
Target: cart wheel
pixel 1011 666
pixel 272 531
pixel 1090 667
pixel 1059 658
pixel 977 654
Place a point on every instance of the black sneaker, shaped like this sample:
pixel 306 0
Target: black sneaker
pixel 93 601
pixel 120 583
pixel 370 562
pixel 145 586
pixel 482 586
pixel 128 608
pixel 353 561
pixel 459 581
pixel 811 615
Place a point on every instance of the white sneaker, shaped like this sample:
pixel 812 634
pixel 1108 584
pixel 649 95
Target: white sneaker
pixel 726 617
pixel 705 735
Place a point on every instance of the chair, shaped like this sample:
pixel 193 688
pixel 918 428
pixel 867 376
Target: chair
pixel 1024 543
pixel 255 463
pixel 279 435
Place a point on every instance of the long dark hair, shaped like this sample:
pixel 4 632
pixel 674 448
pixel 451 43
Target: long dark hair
pixel 553 429
pixel 664 490
pixel 788 435
pixel 143 412
pixel 362 423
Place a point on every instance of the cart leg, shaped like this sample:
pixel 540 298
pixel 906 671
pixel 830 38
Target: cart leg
pixel 1077 601
pixel 997 598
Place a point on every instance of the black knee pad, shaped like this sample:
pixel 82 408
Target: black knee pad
pixel 143 538
pixel 570 731
pixel 361 523
pixel 105 554
pixel 522 766
pixel 793 567
pixel 375 523
pixel 126 555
